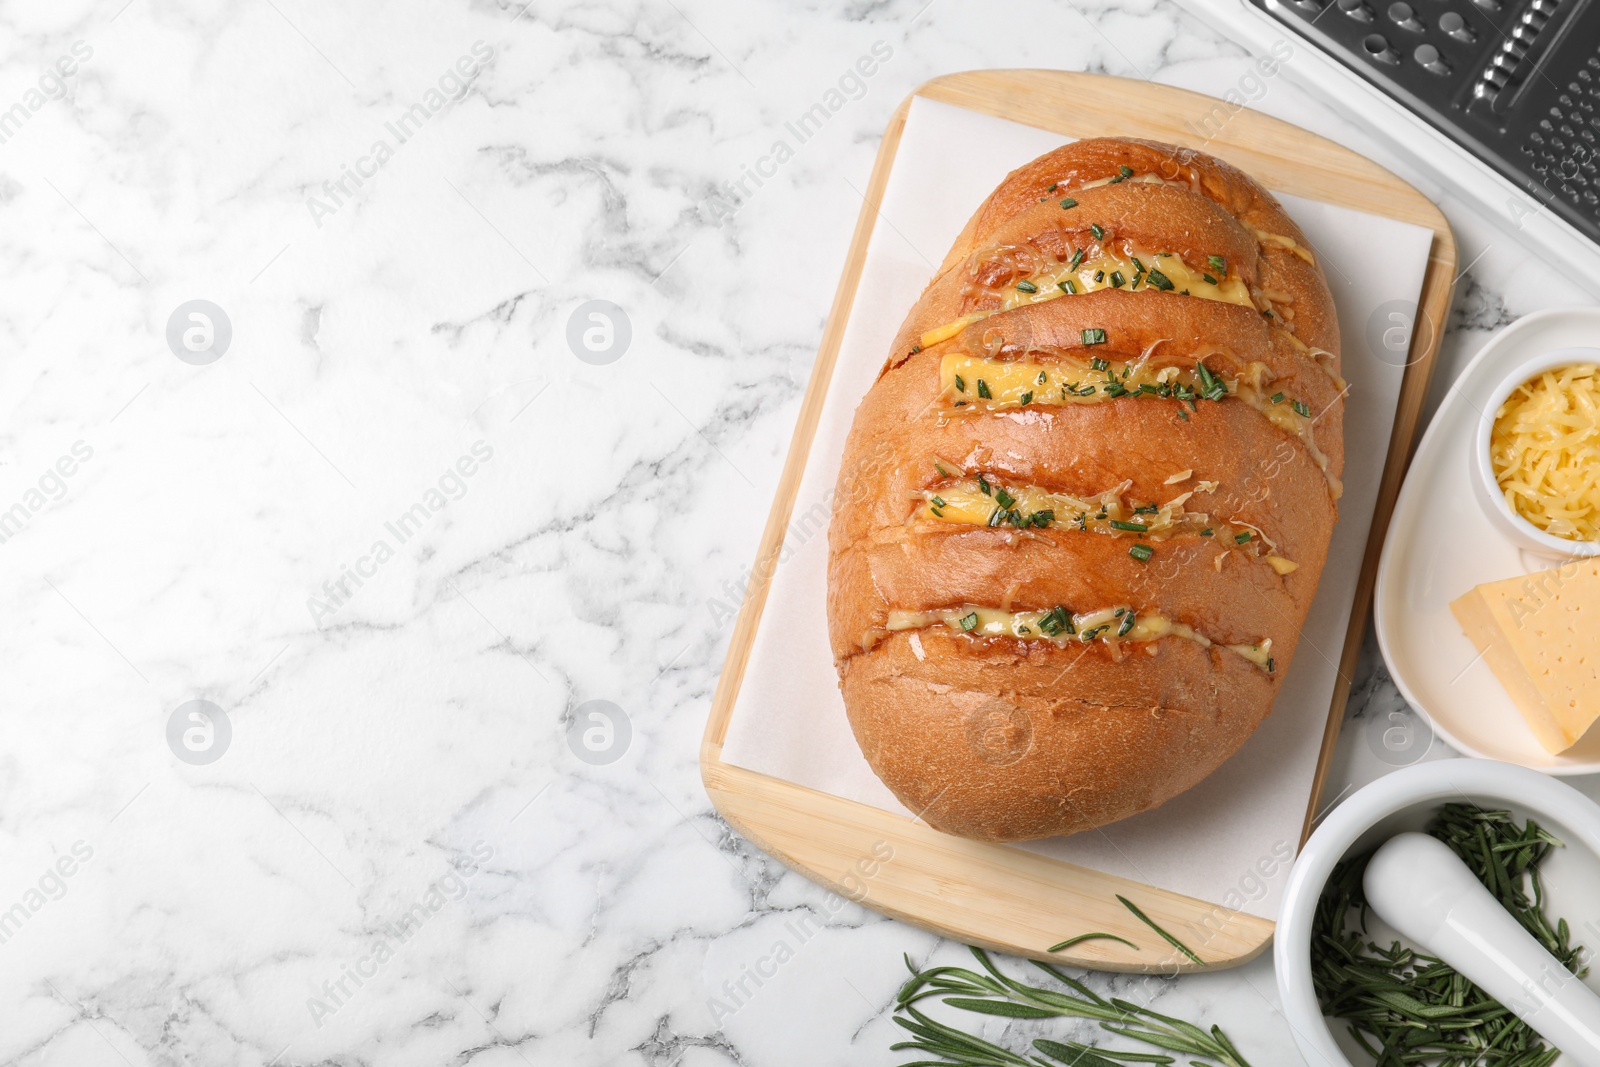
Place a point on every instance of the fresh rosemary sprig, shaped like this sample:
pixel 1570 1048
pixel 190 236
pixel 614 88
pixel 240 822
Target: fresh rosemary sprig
pixel 1151 923
pixel 1098 935
pixel 993 993
pixel 1404 1007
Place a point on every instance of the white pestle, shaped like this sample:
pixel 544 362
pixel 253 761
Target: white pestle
pixel 1422 889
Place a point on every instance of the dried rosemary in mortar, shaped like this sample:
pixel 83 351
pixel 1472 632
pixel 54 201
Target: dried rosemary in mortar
pixel 1407 1008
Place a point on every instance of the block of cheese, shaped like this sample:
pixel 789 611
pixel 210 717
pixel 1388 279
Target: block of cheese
pixel 1540 634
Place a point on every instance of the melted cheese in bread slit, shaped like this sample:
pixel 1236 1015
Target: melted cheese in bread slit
pixel 1165 340
pixel 1113 626
pixel 931 567
pixel 1062 253
pixel 981 502
pixel 1283 259
pixel 974 383
pixel 1132 267
pixel 1240 468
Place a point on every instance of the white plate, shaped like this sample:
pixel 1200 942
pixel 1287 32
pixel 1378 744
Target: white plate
pixel 1441 544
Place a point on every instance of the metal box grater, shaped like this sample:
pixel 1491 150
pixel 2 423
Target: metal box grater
pixel 1516 83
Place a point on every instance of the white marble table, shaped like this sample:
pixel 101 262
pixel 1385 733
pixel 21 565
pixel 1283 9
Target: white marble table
pixel 399 533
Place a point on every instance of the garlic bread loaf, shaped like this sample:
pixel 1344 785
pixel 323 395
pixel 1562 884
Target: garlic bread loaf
pixel 1089 495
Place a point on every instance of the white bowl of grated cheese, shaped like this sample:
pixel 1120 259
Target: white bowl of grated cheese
pixel 1537 454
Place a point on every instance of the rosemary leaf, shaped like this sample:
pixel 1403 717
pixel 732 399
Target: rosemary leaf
pixel 1092 936
pixel 1151 923
pixel 1000 1007
pixel 1075 1054
pixel 1096 936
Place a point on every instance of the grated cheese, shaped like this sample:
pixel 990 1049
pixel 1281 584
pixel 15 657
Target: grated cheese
pixel 1545 448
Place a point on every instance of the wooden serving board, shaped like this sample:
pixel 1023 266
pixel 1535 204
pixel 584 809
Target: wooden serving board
pixel 996 896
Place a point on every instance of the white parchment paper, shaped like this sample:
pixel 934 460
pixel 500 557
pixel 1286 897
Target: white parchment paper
pixel 1224 840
